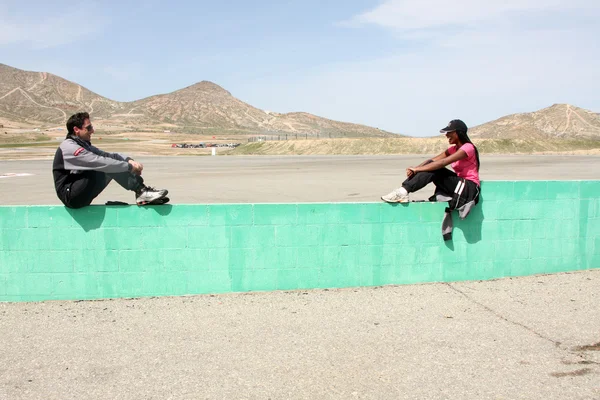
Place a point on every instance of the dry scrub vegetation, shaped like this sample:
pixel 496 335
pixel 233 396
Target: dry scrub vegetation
pixel 42 145
pixel 377 146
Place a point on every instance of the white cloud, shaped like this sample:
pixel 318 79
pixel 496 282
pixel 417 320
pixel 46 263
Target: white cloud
pixel 416 92
pixel 47 30
pixel 466 59
pixel 406 15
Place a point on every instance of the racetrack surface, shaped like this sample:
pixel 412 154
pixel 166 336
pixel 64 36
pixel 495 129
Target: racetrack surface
pixel 285 179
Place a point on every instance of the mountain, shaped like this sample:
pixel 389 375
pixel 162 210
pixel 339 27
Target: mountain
pixel 556 121
pixel 48 99
pixel 43 97
pixel 203 104
pixel 208 105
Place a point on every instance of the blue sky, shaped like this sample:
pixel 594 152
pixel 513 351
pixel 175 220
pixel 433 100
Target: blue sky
pixel 403 66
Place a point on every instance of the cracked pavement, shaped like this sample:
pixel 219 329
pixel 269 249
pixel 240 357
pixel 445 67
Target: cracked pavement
pixel 517 338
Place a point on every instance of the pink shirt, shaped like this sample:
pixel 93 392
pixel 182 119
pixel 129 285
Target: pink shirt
pixel 467 167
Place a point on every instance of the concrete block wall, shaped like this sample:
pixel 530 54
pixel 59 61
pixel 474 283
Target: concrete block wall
pixel 519 228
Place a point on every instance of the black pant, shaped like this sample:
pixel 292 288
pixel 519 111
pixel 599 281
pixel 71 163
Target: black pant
pixel 86 186
pixel 444 179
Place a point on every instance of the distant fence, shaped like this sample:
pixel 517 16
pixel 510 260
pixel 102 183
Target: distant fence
pixel 291 136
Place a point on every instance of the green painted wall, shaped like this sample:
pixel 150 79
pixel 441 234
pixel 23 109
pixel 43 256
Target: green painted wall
pixel 519 228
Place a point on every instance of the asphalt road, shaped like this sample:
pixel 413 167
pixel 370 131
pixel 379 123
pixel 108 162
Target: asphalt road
pixel 285 179
pixel 526 338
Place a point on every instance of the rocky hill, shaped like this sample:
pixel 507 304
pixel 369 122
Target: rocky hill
pixel 40 97
pixel 43 97
pixel 207 105
pixel 557 121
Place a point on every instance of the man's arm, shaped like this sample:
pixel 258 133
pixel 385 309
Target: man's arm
pixel 76 157
pixel 135 167
pixel 116 156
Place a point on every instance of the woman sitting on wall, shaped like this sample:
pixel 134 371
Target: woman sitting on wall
pixel 462 186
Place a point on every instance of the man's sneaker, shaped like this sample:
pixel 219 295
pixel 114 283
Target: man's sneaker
pixel 149 195
pixel 159 202
pixel 396 196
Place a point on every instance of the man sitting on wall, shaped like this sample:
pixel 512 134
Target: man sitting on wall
pixel 82 171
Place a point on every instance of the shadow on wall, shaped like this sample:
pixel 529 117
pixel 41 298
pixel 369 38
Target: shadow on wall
pixel 471 227
pixel 92 217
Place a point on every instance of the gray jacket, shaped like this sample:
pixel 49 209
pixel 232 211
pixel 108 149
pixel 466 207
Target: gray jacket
pixel 75 156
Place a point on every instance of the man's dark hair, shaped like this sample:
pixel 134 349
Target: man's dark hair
pixel 76 120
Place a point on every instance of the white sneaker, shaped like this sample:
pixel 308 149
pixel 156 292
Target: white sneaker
pixel 396 196
pixel 149 195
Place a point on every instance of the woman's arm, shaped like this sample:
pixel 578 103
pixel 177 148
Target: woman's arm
pixel 436 158
pixel 410 170
pixel 440 162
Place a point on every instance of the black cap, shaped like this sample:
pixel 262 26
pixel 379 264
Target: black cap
pixel 455 125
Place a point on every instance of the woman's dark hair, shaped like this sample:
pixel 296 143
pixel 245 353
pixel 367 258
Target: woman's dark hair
pixel 464 138
pixel 76 120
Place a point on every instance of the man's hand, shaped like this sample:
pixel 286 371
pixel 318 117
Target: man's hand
pixel 136 167
pixel 410 171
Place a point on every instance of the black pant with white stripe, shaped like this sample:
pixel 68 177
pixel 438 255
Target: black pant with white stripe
pixel 86 186
pixel 445 180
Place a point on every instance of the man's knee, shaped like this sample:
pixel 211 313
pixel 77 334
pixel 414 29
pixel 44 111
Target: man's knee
pixel 75 207
pixel 78 202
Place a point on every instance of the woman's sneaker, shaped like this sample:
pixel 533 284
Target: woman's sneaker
pixel 149 195
pixel 396 196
